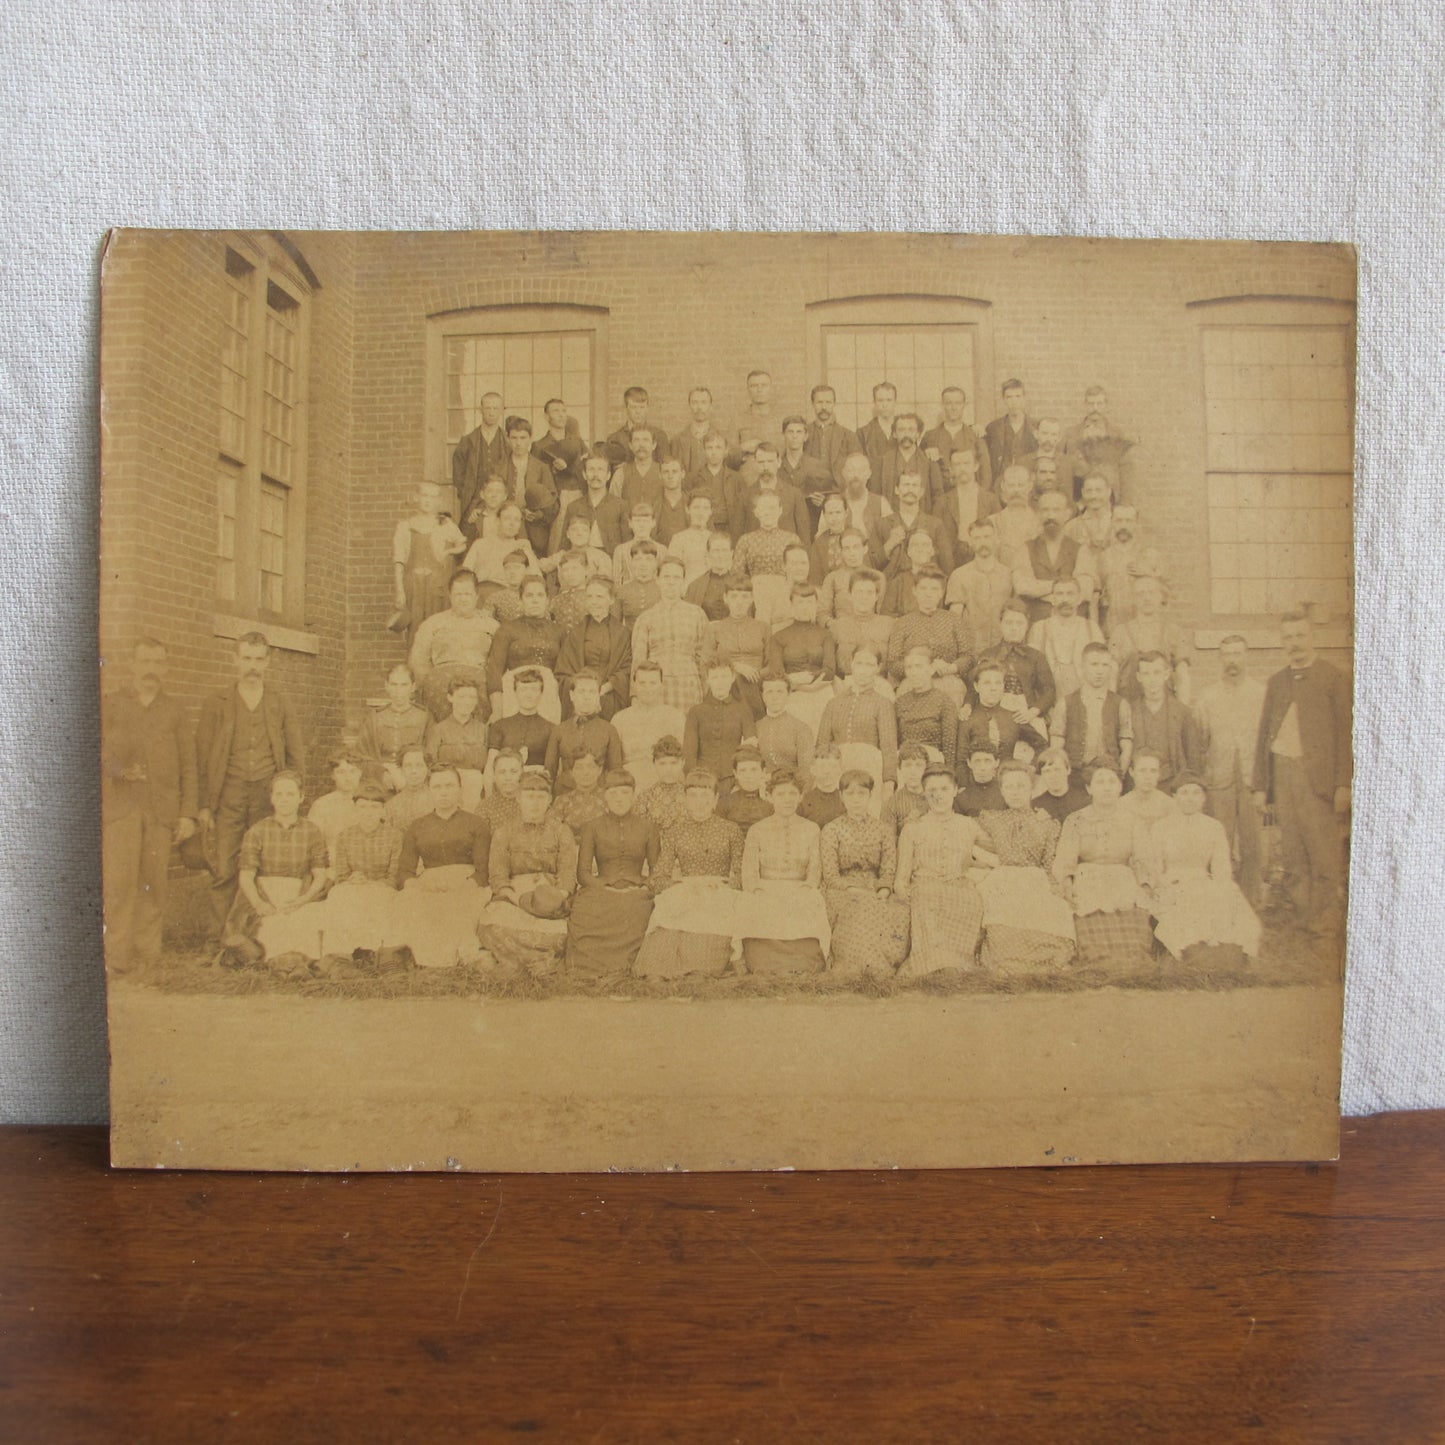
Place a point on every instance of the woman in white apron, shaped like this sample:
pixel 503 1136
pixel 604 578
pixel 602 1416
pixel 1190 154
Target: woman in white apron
pixel 531 640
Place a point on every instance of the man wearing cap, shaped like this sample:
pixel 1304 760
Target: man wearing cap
pixel 1303 766
pixel 148 794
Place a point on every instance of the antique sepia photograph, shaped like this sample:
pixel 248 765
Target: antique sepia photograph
pixel 641 701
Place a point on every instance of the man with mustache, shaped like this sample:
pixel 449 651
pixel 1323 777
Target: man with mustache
pixel 1121 561
pixel 1302 764
pixel 906 458
pixel 1050 557
pixel 1228 713
pixel 828 440
pixel 246 735
pixel 148 777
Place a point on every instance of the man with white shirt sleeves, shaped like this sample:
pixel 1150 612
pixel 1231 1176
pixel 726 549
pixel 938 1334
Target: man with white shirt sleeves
pixel 1303 765
pixel 828 440
pixel 981 586
pixel 1229 713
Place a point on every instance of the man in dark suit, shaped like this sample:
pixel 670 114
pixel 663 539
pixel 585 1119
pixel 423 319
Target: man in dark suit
pixel 1304 760
pixel 889 540
pixel 828 440
pixel 875 436
pixel 529 484
pixel 1163 724
pixel 953 434
pixel 906 456
pixel 1010 438
pixel 479 455
pixel 148 797
pixel 965 502
pixel 802 472
pixel 619 444
pixel 246 736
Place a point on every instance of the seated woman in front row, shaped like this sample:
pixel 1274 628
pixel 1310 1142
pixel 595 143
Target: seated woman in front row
pixel 859 859
pixel 1027 924
pixel 784 924
pixel 533 872
pixel 699 872
pixel 1104 862
pixel 616 855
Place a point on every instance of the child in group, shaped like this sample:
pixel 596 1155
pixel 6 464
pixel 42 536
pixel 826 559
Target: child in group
pixel 642 517
pixel 1063 636
pixel 759 557
pixel 505 598
pixel 526 732
pixel 577 537
pixel 925 714
pixel 501 803
pixel 690 544
pixel 979 789
pixel 719 483
pixel 1016 523
pixel 585 731
pixel 335 811
pixel 992 723
pixel 663 802
pixel 485 510
pixel 908 800
pixel 741 640
pixel 804 651
pixel 718 725
pixel 583 799
pixel 1150 629
pixel 640 590
pixel 744 803
pixel 980 588
pixel 919 553
pixel 569 606
pixel 1093 725
pixel 459 740
pixel 1146 800
pixel 826 553
pixel 822 802
pixel 784 740
pixel 413 799
pixel 424 550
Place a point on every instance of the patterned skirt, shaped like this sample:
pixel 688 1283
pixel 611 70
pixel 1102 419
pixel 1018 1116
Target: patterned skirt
pixel 947 915
pixel 1028 928
pixel 870 934
pixel 1119 940
pixel 605 930
pixel 673 953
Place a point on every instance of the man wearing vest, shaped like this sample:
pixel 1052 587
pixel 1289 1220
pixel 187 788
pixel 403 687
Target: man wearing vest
pixel 1094 725
pixel 1304 760
pixel 246 735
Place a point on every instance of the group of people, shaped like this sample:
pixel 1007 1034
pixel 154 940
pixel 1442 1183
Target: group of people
pixel 893 702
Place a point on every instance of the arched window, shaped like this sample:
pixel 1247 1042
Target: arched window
pixel 1279 425
pixel 526 355
pixel 918 344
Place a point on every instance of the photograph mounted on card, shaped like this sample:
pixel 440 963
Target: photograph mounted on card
pixel 647 701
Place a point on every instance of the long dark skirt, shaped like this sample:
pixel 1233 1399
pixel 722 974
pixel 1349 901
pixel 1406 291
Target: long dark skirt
pixel 606 930
pixel 674 953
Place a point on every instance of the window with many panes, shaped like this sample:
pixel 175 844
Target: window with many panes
pixel 1279 410
pixel 920 360
pixel 260 483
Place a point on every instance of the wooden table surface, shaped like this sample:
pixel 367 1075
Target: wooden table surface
pixel 1268 1303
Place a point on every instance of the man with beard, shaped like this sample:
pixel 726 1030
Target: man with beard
pixel 480 454
pixel 828 440
pixel 246 735
pixel 953 434
pixel 865 508
pixel 1302 765
pixel 148 778
pixel 891 534
pixel 1229 713
pixel 1121 563
pixel 1010 437
pixel 1051 557
pixel 906 458
pixel 1049 450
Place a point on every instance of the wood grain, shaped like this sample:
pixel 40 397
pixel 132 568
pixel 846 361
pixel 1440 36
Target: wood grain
pixel 1271 1303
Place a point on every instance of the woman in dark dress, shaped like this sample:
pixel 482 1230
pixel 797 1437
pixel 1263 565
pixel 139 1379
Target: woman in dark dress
pixel 531 640
pixel 616 856
pixel 598 643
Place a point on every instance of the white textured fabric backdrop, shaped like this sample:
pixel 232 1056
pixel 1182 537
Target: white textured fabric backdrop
pixel 1287 120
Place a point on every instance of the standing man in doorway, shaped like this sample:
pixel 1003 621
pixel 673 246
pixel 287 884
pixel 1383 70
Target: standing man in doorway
pixel 1011 437
pixel 479 455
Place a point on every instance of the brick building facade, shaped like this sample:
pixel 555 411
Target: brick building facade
pixel 349 363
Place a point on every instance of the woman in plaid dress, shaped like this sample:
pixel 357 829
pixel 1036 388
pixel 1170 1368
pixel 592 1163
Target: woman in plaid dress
pixel 1104 862
pixel 860 857
pixel 670 633
pixel 935 853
